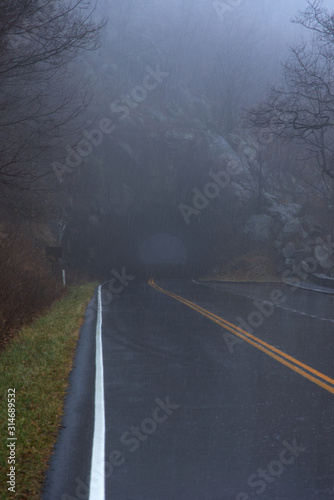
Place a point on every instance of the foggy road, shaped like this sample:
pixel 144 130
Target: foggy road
pixel 206 392
pixel 152 144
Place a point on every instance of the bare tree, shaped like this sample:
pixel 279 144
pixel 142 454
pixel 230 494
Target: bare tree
pixel 42 89
pixel 302 109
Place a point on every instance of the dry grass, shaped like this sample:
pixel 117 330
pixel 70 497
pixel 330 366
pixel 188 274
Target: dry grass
pixel 253 267
pixel 26 284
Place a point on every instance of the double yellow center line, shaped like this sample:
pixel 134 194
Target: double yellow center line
pixel 306 371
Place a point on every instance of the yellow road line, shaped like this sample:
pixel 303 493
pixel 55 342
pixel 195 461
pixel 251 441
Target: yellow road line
pixel 268 349
pixel 236 330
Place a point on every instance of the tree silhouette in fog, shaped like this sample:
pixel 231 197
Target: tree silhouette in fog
pixel 302 109
pixel 40 90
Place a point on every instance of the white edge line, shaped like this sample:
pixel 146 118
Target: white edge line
pixel 239 294
pixel 97 479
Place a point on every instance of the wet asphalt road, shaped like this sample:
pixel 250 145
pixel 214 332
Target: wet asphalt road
pixel 195 410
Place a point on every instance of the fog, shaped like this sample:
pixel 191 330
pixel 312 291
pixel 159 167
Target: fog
pixel 129 125
pixel 180 153
pixel 192 35
pixel 217 60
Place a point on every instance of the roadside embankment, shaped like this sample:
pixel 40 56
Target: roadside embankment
pixel 34 371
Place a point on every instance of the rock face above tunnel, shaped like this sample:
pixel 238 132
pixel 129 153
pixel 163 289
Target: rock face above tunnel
pixel 162 156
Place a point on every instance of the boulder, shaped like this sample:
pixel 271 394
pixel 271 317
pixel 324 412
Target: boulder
pixel 220 153
pixel 282 212
pixel 305 266
pixel 292 229
pixel 289 250
pixel 312 226
pixel 302 254
pixel 323 257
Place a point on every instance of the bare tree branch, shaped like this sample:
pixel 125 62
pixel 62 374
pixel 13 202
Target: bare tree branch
pixel 303 108
pixel 43 88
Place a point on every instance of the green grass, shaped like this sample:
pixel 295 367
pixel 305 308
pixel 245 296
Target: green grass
pixel 37 363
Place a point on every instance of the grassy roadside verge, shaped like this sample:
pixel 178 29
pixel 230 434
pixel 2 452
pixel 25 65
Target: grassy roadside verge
pixel 251 267
pixel 37 363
